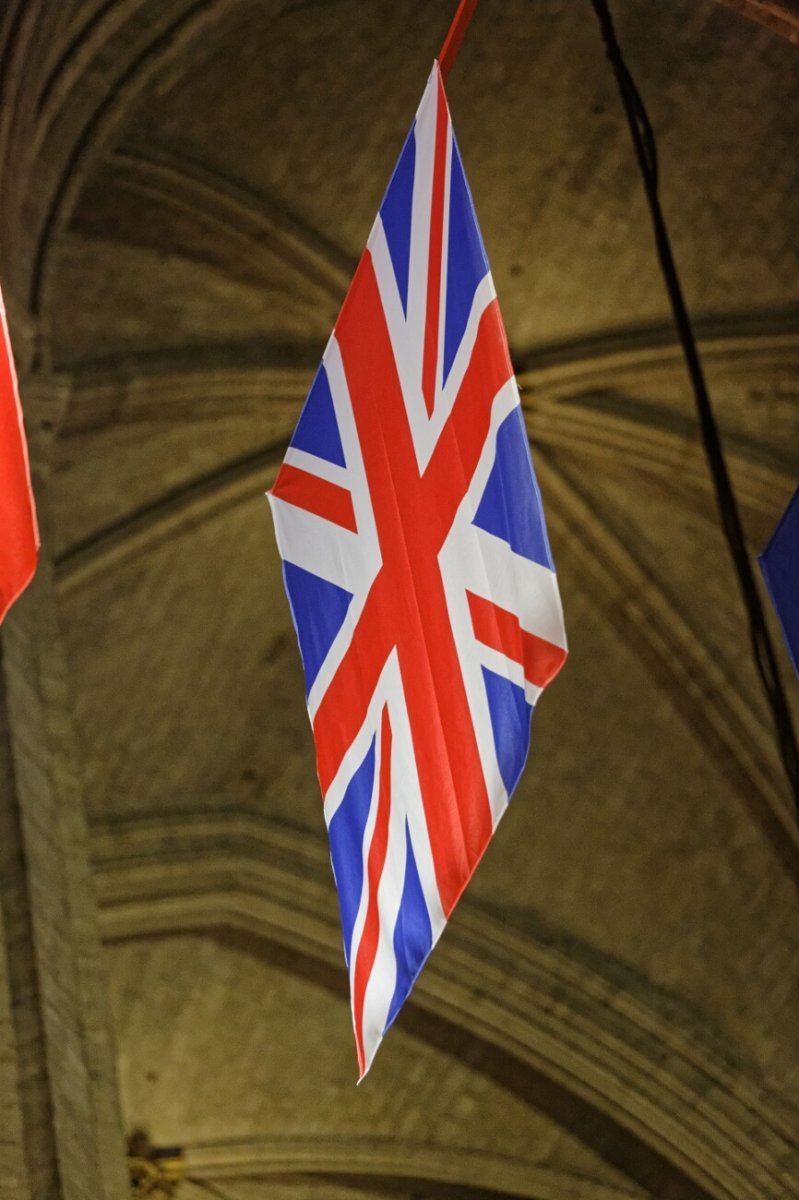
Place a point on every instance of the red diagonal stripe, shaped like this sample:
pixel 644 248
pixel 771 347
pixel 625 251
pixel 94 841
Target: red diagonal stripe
pixel 463 438
pixel 367 947
pixel 315 495
pixel 501 630
pixel 342 708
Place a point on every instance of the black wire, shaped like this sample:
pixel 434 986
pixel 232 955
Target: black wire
pixel 762 648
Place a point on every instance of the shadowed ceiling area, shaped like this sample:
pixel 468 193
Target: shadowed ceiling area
pixel 187 186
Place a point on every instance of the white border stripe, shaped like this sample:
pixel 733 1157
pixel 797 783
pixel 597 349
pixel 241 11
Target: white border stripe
pixel 302 460
pixel 317 545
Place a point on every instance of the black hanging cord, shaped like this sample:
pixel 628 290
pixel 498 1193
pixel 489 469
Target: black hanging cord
pixel 763 650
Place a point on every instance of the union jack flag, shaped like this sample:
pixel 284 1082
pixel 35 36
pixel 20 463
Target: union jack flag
pixel 418 572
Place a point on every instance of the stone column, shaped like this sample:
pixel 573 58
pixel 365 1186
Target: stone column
pixel 20 1074
pixel 61 1135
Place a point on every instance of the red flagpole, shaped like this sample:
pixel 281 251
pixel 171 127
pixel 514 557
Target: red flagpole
pixel 457 31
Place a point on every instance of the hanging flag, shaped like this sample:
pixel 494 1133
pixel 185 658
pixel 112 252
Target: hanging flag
pixel 418 573
pixel 19 536
pixel 779 563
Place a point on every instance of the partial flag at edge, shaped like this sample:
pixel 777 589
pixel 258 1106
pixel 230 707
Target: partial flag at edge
pixel 779 563
pixel 19 533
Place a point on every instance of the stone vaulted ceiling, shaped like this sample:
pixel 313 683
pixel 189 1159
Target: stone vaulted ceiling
pixel 186 186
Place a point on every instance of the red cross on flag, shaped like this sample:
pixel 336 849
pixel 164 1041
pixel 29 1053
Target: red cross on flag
pixel 418 571
pixel 19 536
